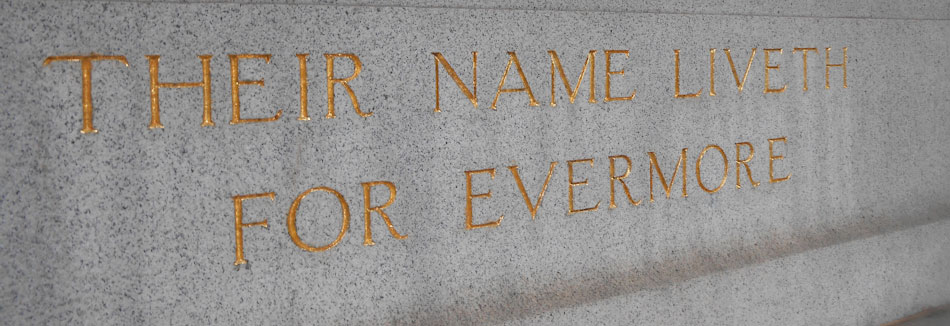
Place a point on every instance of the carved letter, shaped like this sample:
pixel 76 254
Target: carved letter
pixel 468 200
pixel 667 187
pixel 772 158
pixel 843 65
pixel 155 85
pixel 367 187
pixel 304 85
pixel 735 74
pixel 292 220
pixel 513 58
pixel 712 72
pixel 676 88
pixel 556 64
pixel 533 208
pixel 331 98
pixel 805 65
pixel 572 184
pixel 236 84
pixel 608 72
pixel 768 67
pixel 85 65
pixel 744 162
pixel 614 177
pixel 239 224
pixel 725 169
pixel 473 95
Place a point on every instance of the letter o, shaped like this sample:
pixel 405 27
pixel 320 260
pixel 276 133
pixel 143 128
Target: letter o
pixel 292 220
pixel 725 172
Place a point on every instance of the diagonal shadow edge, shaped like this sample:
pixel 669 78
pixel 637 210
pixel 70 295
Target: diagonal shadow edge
pixel 507 304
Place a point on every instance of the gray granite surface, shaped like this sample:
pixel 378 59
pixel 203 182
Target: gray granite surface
pixel 136 226
pixel 915 9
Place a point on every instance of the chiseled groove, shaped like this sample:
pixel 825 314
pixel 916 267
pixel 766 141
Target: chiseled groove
pixel 922 314
pixel 646 12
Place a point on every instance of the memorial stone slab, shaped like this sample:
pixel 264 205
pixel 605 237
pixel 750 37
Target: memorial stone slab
pixel 429 162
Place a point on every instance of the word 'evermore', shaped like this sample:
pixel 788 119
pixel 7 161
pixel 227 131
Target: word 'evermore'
pixel 744 153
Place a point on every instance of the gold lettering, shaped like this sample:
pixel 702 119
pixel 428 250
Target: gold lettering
pixel 292 220
pixel 712 72
pixel 735 74
pixel 676 89
pixel 533 208
pixel 744 162
pixel 236 84
pixel 614 177
pixel 768 67
pixel 725 167
pixel 772 158
pixel 608 72
pixel 368 234
pixel 331 81
pixel 572 184
pixel 513 58
pixel 667 187
pixel 155 85
pixel 556 64
pixel 469 196
pixel 473 95
pixel 843 65
pixel 304 85
pixel 239 224
pixel 85 65
pixel 804 52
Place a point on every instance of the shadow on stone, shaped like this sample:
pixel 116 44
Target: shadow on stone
pixel 597 284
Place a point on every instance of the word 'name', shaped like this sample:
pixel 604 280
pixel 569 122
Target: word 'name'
pixel 741 165
pixel 333 81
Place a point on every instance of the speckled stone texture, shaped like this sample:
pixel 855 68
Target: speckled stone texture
pixel 136 226
pixel 918 9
